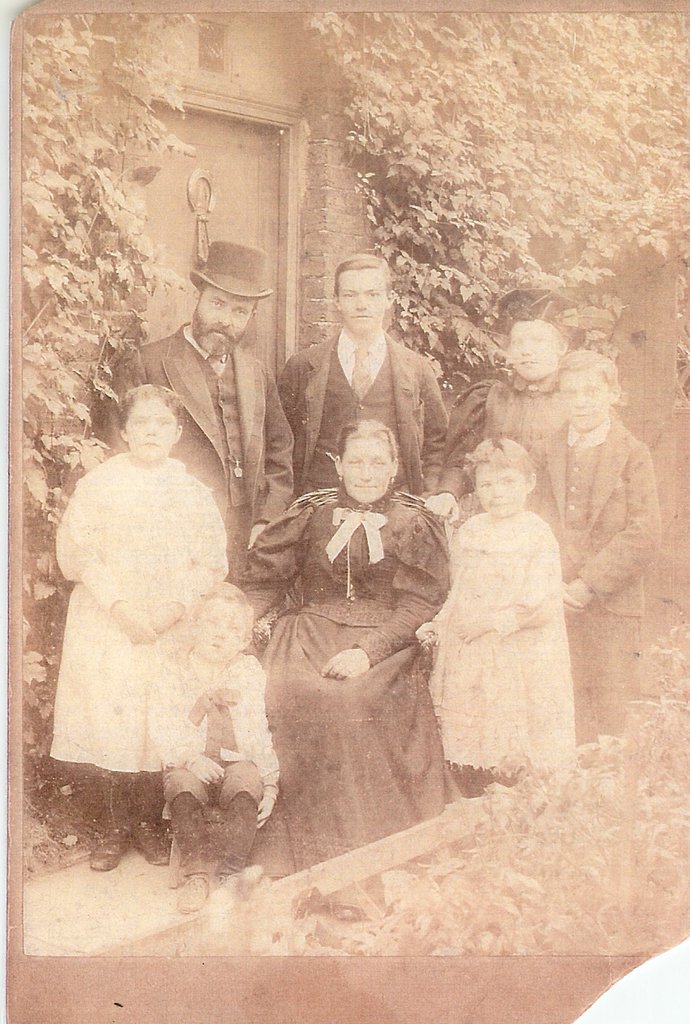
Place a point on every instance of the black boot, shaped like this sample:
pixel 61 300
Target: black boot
pixel 239 830
pixel 116 838
pixel 108 852
pixel 149 834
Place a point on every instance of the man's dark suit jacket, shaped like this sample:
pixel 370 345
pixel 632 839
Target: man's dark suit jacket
pixel 622 534
pixel 266 437
pixel 420 412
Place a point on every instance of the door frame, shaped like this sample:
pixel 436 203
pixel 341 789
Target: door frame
pixel 290 123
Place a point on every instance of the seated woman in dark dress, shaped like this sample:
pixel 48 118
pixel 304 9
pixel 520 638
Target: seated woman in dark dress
pixel 349 707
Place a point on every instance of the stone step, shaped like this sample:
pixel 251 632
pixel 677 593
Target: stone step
pixel 132 911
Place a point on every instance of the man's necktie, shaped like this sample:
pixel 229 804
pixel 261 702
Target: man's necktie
pixel 361 375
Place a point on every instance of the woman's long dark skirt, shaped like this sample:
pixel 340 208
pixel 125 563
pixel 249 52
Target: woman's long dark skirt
pixel 359 758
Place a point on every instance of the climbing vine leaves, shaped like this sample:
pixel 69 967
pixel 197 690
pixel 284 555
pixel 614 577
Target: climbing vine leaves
pixel 498 151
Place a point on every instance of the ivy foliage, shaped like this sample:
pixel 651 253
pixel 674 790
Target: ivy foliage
pixel 498 151
pixel 92 137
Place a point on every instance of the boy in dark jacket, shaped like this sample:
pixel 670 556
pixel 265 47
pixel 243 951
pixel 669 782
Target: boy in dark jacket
pixel 597 491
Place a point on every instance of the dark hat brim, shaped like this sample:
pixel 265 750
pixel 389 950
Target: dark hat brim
pixel 231 285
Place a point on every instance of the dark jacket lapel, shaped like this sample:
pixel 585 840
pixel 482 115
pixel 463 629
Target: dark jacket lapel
pixel 614 454
pixel 251 410
pixel 556 459
pixel 318 368
pixel 404 387
pixel 186 377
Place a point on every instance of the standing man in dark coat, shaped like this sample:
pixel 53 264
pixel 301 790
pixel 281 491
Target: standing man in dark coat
pixel 362 374
pixel 235 437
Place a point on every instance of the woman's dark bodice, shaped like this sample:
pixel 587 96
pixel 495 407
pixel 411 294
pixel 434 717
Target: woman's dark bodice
pixel 393 596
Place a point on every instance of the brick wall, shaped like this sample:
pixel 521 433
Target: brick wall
pixel 333 218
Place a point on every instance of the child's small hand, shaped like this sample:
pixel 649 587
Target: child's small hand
pixel 266 806
pixel 577 595
pixel 205 769
pixel 427 634
pixel 166 615
pixel 129 619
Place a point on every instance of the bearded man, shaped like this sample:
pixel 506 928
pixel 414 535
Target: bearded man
pixel 235 437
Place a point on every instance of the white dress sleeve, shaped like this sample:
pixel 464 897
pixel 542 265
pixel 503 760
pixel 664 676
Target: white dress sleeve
pixel 541 596
pixel 207 545
pixel 80 543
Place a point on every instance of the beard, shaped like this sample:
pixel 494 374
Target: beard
pixel 214 339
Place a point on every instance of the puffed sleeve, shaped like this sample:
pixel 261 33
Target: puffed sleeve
pixel 276 559
pixel 420 585
pixel 465 431
pixel 435 428
pixel 206 541
pixel 80 541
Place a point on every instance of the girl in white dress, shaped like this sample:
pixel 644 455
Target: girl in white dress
pixel 501 682
pixel 142 539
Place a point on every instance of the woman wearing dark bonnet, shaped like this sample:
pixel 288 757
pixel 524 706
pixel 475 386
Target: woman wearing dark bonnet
pixel 348 703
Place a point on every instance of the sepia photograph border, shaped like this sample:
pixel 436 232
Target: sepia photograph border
pixel 257 990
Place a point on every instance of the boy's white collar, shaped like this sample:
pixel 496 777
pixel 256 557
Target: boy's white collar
pixel 590 438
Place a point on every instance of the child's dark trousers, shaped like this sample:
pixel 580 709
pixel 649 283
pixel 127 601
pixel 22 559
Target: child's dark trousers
pixel 223 847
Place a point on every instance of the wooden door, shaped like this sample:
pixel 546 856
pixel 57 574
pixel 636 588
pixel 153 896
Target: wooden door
pixel 244 160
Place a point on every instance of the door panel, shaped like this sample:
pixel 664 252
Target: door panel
pixel 243 160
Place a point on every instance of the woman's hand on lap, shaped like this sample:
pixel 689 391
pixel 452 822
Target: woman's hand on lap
pixel 346 664
pixel 129 619
pixel 205 769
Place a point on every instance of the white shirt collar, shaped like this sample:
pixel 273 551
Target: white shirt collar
pixel 591 438
pixel 217 364
pixel 376 353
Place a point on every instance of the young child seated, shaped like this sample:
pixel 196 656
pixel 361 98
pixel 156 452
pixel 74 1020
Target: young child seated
pixel 525 408
pixel 142 539
pixel 596 489
pixel 501 681
pixel 208 723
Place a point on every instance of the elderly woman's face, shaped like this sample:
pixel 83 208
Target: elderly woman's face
pixel 366 469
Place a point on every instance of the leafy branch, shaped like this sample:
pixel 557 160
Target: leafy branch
pixel 496 151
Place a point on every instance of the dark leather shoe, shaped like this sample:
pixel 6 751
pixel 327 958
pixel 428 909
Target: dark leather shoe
pixel 108 853
pixel 153 841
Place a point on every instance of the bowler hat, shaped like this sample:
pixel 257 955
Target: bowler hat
pixel 237 269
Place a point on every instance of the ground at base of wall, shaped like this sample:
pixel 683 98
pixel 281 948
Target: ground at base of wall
pixel 60 819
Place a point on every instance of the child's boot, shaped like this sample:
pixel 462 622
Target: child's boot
pixel 153 841
pixel 193 894
pixel 109 851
